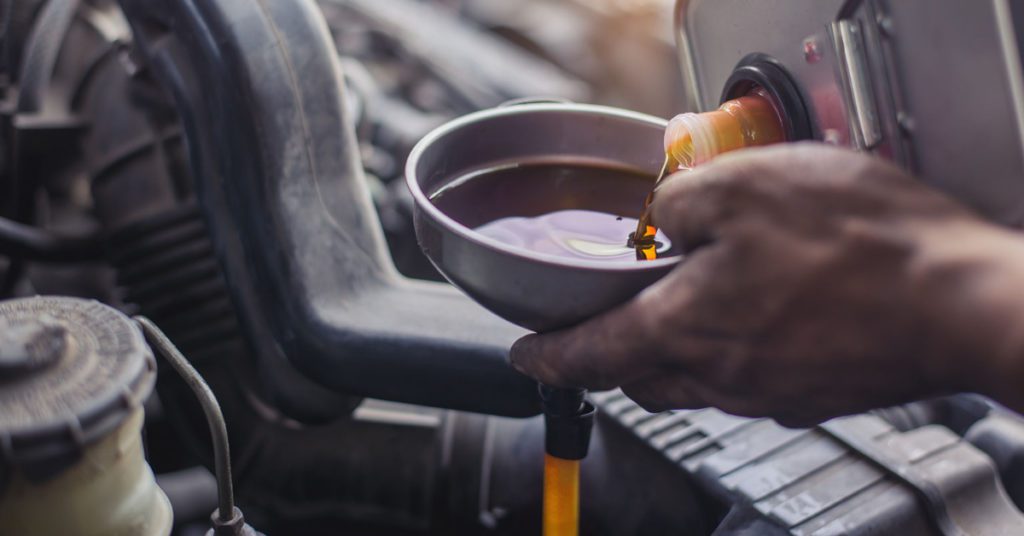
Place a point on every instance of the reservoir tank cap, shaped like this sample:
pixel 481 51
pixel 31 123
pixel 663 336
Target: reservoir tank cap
pixel 71 372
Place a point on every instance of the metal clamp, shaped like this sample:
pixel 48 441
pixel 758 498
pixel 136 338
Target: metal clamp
pixel 848 40
pixel 851 60
pixel 941 493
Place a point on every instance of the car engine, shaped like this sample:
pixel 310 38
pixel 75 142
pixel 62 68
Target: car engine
pixel 232 171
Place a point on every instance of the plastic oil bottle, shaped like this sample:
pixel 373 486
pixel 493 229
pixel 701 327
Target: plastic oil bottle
pixel 692 139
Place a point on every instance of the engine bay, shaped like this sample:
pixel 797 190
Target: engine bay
pixel 234 172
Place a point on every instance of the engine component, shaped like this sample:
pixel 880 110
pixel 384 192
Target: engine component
pixel 323 291
pixel 925 84
pixel 227 519
pixel 759 73
pixel 1001 436
pixel 75 374
pixel 854 475
pixel 156 171
pixel 20 240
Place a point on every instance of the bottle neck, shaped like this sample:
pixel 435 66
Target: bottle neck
pixel 752 120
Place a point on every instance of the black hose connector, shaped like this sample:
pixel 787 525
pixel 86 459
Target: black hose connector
pixel 568 422
pixel 236 526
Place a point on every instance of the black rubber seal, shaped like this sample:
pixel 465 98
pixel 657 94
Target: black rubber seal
pixel 568 422
pixel 759 70
pixel 568 437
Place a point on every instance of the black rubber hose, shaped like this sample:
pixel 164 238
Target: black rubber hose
pixel 41 53
pixel 22 241
pixel 218 429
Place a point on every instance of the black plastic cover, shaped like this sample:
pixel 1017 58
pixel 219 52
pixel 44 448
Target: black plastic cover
pixel 278 177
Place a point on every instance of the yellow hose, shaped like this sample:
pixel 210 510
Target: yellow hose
pixel 561 496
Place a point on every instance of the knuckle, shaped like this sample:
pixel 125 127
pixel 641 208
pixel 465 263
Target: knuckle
pixel 590 369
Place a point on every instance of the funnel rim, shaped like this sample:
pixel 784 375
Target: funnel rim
pixel 422 201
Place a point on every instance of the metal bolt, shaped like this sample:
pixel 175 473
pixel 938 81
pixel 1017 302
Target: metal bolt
pixel 125 58
pixel 812 51
pixel 906 123
pixel 884 25
pixel 29 345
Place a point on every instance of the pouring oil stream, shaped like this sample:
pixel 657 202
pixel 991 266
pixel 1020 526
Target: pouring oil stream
pixel 643 238
pixel 690 139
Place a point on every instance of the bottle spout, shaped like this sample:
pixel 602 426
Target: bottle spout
pixel 752 120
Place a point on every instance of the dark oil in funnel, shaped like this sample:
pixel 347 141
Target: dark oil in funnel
pixel 693 139
pixel 572 211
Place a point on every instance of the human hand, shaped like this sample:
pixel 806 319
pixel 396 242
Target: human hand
pixel 818 282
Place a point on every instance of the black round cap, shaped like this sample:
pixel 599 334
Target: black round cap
pixel 71 372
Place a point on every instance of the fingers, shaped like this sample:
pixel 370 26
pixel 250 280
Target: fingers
pixel 672 390
pixel 695 207
pixel 686 209
pixel 665 391
pixel 625 344
pixel 601 353
pixel 691 206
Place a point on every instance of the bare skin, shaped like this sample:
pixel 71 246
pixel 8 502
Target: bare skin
pixel 818 282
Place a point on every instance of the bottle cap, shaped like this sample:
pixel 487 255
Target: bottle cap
pixel 71 372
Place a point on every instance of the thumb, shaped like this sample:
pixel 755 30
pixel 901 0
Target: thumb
pixel 601 353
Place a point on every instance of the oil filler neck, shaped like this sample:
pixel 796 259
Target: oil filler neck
pixel 761 72
pixel 568 421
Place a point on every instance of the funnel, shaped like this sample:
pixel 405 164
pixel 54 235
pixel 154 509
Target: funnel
pixel 534 290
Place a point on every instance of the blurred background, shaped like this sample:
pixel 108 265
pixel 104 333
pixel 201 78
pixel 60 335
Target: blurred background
pixel 412 65
pixel 100 154
pixel 94 168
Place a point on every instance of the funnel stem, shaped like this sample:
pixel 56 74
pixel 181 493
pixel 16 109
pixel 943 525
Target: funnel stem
pixel 561 496
pixel 568 421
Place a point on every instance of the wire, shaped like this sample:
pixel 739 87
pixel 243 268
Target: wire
pixel 214 416
pixel 22 241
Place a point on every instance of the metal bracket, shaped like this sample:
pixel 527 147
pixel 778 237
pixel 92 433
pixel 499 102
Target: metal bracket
pixel 851 59
pixel 848 8
pixel 941 496
pixel 845 431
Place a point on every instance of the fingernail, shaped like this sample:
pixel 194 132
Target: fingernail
pixel 516 352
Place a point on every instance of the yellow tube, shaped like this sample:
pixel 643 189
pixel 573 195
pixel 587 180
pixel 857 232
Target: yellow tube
pixel 561 496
